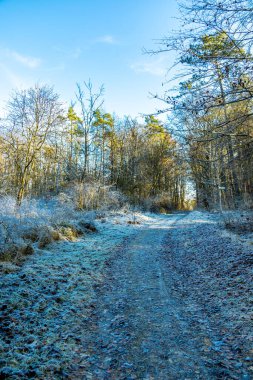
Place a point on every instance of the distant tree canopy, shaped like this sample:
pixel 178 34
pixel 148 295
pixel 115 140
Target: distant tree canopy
pixel 211 108
pixel 44 148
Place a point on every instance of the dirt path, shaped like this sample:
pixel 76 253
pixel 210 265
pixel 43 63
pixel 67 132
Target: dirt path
pixel 149 325
pixel 144 331
pixel 170 298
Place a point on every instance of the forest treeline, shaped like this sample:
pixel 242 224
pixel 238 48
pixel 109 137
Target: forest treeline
pixel 44 149
pixel 210 101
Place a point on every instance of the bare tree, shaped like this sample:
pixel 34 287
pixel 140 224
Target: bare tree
pixel 89 101
pixel 211 101
pixel 32 115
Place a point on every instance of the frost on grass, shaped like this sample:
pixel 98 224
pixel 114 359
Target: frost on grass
pixel 213 273
pixel 38 223
pixel 240 223
pixel 48 302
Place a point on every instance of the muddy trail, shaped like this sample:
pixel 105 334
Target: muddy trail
pixel 160 315
pixel 167 298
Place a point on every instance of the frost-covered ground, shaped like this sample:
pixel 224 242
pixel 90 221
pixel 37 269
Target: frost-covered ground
pixel 45 302
pixel 240 224
pixel 145 297
pixel 38 222
pixel 177 304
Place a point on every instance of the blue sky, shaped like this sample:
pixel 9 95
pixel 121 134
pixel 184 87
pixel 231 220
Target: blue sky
pixel 62 42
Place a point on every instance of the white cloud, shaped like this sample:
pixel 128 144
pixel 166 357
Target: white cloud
pixel 14 79
pixel 27 61
pixel 107 39
pixel 157 67
pixel 10 80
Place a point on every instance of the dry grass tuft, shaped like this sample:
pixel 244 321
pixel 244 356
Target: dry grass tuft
pixel 37 224
pixel 239 222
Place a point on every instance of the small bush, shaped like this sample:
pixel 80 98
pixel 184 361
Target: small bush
pixel 87 226
pixel 69 233
pixel 31 234
pixel 238 222
pixel 46 237
pixel 159 204
pixel 27 250
pixel 95 196
pixel 13 251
